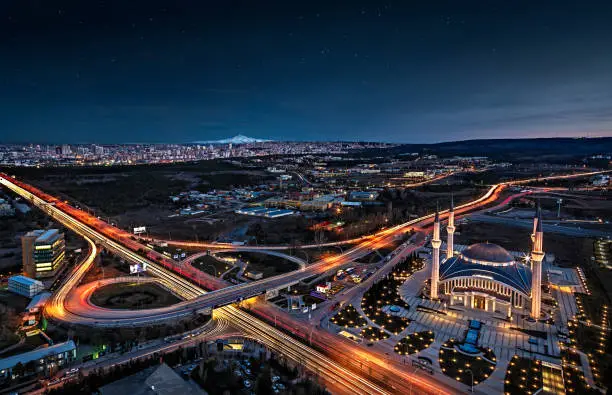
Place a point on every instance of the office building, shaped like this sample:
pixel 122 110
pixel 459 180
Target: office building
pixel 43 253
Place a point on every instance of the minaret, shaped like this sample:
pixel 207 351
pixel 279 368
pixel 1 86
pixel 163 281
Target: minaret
pixel 450 230
pixel 435 262
pixel 537 255
pixel 535 220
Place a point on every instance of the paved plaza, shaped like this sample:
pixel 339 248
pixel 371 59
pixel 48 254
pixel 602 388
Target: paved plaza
pixel 518 336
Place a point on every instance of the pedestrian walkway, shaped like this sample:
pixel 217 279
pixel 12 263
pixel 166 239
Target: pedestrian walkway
pixel 588 373
pixel 495 333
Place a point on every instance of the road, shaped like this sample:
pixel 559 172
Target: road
pixel 221 295
pixel 84 314
pixel 332 371
pixel 301 263
pixel 549 227
pixel 214 329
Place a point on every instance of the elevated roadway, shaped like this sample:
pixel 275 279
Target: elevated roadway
pixel 334 371
pixel 300 262
pixel 221 295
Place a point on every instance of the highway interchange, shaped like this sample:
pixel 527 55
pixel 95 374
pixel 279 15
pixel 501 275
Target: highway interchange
pixel 336 365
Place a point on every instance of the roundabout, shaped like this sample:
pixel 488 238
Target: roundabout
pixel 133 295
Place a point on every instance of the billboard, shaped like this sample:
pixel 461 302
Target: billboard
pixel 140 230
pixel 138 268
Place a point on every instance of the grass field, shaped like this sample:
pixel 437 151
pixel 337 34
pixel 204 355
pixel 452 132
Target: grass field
pixel 208 264
pixel 133 296
pixel 269 265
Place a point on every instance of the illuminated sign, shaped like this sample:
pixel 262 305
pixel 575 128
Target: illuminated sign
pixel 138 268
pixel 140 230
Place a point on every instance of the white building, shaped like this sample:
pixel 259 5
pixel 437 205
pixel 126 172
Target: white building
pixel 323 288
pixel 486 277
pixel 25 286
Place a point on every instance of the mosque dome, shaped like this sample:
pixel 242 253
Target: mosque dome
pixel 487 254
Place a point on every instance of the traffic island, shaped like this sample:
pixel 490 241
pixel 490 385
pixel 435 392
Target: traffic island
pixel 469 367
pixel 414 343
pixel 133 295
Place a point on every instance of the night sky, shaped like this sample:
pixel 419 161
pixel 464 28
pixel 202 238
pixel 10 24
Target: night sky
pixel 178 71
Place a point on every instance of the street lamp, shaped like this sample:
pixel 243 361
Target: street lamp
pixel 472 375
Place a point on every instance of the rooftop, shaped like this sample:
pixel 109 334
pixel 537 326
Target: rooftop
pixel 491 261
pixel 27 281
pixel 488 254
pixel 157 380
pixel 39 300
pixel 26 357
pixel 48 236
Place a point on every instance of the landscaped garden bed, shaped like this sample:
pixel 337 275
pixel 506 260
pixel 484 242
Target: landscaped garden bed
pixel 465 368
pixel 523 376
pixel 349 317
pixel 372 333
pixel 414 342
pixel 573 374
pixel 385 292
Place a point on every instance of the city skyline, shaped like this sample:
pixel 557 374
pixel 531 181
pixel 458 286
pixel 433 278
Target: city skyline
pixel 159 72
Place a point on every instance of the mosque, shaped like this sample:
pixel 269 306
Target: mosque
pixel 485 276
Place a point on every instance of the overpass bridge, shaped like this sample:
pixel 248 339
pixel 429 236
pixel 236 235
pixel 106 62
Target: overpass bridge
pixel 101 234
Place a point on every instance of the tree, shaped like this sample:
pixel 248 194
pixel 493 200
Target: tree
pixel 319 236
pixel 264 382
pixel 18 370
pixel 30 367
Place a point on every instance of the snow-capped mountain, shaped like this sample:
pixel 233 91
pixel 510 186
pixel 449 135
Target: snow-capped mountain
pixel 239 139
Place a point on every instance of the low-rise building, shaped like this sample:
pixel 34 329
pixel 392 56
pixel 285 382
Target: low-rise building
pixel 264 212
pixel 323 288
pixel 25 286
pixel 41 361
pixel 160 380
pixel 38 302
pixel 601 180
pixel 363 195
pixel 253 275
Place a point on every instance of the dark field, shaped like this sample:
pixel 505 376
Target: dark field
pixel 210 265
pixel 133 296
pixel 139 195
pixel 269 265
pixel 568 251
